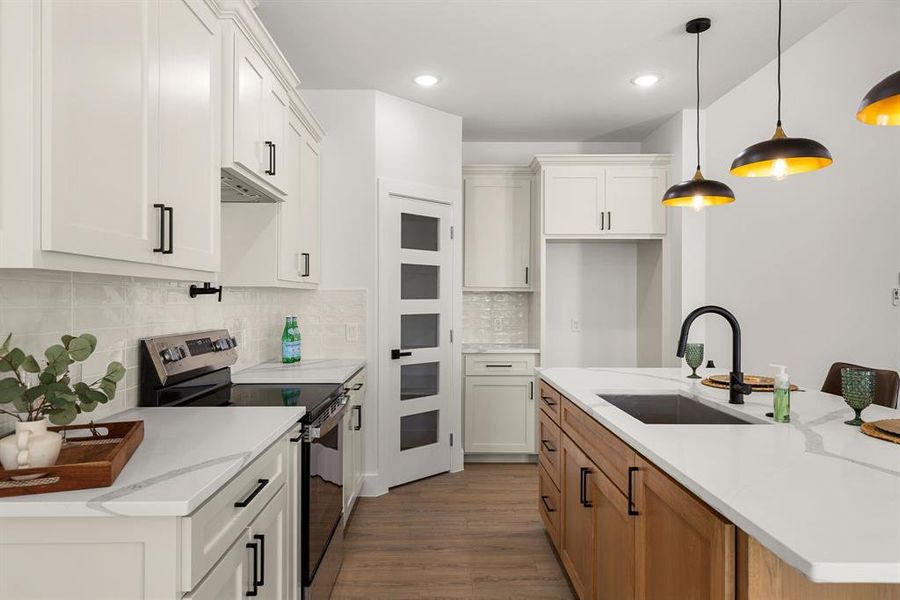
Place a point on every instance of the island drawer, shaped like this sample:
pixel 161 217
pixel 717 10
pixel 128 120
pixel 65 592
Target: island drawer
pixel 500 364
pixel 608 452
pixel 209 531
pixel 549 504
pixel 551 401
pixel 549 443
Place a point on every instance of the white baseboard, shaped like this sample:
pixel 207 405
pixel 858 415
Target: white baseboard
pixel 500 458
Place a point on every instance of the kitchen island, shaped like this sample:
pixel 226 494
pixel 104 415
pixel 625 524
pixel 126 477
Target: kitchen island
pixel 818 494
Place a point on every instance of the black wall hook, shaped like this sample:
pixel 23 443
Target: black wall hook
pixel 206 289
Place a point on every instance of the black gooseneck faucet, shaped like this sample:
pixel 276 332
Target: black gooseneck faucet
pixel 737 389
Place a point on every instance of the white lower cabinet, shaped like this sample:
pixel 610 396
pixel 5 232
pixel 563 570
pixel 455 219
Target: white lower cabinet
pixel 354 442
pixel 500 405
pixel 242 540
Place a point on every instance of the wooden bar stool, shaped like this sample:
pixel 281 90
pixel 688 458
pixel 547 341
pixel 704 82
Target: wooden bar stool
pixel 887 383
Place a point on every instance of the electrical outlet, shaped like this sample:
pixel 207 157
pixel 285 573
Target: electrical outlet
pixel 351 331
pixel 498 324
pixel 575 326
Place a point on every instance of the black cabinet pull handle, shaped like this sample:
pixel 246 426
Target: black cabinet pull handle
pixel 171 212
pixel 253 579
pixel 498 366
pixel 162 227
pixel 260 484
pixel 581 487
pixel 305 256
pixel 271 169
pixel 298 438
pixel 357 387
pixel 546 444
pixel 547 506
pixel 584 499
pixel 262 559
pixel 395 354
pixel 531 390
pixel 358 409
pixel 609 219
pixel 602 221
pixel 526 275
pixel 548 400
pixel 631 511
pixel 274 159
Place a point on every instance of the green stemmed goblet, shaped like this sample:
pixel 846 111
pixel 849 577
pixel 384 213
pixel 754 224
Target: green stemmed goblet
pixel 693 355
pixel 858 390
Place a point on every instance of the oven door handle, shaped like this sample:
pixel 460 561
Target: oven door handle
pixel 317 431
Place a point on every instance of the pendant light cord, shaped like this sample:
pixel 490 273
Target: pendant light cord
pixel 698 100
pixel 779 63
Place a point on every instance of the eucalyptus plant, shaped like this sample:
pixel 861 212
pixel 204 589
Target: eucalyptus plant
pixel 39 389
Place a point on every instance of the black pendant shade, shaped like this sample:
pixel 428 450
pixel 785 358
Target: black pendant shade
pixel 698 191
pixel 781 155
pixel 881 106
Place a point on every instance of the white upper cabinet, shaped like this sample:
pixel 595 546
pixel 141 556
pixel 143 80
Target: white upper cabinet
pixel 497 230
pixel 600 195
pixel 98 125
pixel 189 131
pixel 310 199
pixel 256 114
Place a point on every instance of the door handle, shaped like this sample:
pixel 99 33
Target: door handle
pixel 162 227
pixel 631 511
pixel 395 354
pixel 547 506
pixel 583 496
pixel 305 256
pixel 254 578
pixel 546 444
pixel 358 409
pixel 171 212
pixel 271 169
pixel 260 484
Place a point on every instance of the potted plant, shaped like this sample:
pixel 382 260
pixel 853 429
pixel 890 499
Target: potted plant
pixel 38 393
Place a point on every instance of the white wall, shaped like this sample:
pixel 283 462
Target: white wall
pixel 372 135
pixel 521 153
pixel 578 287
pixel 807 264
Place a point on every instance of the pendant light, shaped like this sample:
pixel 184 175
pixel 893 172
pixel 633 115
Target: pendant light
pixel 881 106
pixel 698 191
pixel 781 155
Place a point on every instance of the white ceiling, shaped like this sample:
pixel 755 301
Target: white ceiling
pixel 538 70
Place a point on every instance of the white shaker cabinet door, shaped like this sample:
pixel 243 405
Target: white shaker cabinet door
pixel 291 264
pixel 275 124
pixel 98 128
pixel 189 126
pixel 250 100
pixel 574 200
pixel 310 199
pixel 268 533
pixel 231 578
pixel 634 200
pixel 497 232
pixel 499 414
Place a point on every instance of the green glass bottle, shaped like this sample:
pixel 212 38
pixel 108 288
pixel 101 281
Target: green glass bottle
pixel 287 345
pixel 298 340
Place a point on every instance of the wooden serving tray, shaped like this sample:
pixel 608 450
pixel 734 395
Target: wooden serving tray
pixel 92 456
pixel 758 383
pixel 872 429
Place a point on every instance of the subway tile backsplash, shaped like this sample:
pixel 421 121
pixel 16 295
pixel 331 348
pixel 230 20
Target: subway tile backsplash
pixel 496 317
pixel 37 307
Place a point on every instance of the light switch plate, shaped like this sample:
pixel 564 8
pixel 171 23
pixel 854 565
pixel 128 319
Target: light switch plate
pixel 895 294
pixel 576 326
pixel 351 331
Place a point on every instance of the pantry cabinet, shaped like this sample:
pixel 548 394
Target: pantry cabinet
pixel 497 228
pixel 624 525
pixel 603 195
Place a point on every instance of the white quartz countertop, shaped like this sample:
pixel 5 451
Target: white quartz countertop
pixel 820 494
pixel 499 349
pixel 186 456
pixel 316 370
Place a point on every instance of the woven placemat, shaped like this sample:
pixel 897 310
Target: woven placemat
pixel 756 382
pixel 871 429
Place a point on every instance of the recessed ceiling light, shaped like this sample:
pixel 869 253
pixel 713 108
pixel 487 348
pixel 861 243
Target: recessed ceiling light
pixel 426 80
pixel 646 80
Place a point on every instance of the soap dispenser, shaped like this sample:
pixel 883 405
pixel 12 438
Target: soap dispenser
pixel 782 408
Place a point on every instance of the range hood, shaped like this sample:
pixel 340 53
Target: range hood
pixel 235 189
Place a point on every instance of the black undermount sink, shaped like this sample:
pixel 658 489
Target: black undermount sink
pixel 672 409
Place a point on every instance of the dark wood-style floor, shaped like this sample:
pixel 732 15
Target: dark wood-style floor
pixel 475 534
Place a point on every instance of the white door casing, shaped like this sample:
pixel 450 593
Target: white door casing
pixel 415 291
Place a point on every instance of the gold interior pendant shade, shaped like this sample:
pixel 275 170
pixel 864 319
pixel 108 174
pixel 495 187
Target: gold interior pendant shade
pixel 698 191
pixel 781 155
pixel 881 106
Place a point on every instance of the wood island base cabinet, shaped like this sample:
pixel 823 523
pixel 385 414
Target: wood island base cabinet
pixel 624 530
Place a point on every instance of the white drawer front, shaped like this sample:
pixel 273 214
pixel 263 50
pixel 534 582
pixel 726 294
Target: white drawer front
pixel 500 364
pixel 211 529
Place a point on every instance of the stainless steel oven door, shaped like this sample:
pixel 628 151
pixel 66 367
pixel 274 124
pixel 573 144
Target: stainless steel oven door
pixel 323 498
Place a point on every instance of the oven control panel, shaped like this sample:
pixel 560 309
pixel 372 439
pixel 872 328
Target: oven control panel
pixel 182 355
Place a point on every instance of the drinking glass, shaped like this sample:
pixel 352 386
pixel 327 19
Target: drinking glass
pixel 858 390
pixel 694 356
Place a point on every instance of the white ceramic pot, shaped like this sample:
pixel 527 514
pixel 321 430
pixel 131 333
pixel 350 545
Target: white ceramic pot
pixel 29 447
